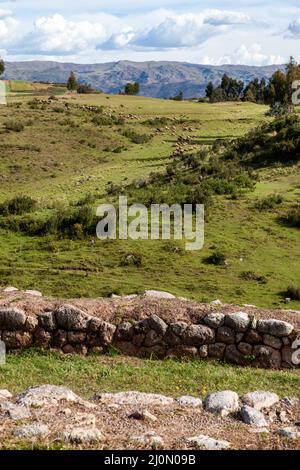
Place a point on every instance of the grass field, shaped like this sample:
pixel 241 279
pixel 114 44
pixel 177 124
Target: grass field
pixel 62 156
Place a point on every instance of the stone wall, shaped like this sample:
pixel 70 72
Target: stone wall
pixel 237 338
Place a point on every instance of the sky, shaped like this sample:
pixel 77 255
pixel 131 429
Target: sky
pixel 250 32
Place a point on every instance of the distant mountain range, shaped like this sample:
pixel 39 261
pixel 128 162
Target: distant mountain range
pixel 157 79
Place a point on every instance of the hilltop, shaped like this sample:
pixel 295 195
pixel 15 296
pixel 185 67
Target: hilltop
pixel 157 79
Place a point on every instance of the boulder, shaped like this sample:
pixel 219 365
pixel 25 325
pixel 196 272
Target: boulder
pixel 267 357
pixel 14 411
pixel 76 337
pixel 82 435
pixel 276 328
pixel 245 348
pixel 184 351
pixel 134 399
pixel 272 341
pixel 214 320
pixel 17 339
pixel 238 321
pixel 197 335
pixel 157 294
pixel 157 324
pixel 234 356
pixel 47 395
pixel 5 395
pixel 216 350
pixel 71 318
pixel 253 416
pixel 35 431
pixel 150 438
pixel 189 401
pixel 142 415
pixel 42 338
pixel 12 319
pixel 208 443
pixel 289 433
pixel 260 399
pixel 47 321
pixel 252 337
pixel 222 402
pixel 152 338
pixel 124 332
pixel 225 335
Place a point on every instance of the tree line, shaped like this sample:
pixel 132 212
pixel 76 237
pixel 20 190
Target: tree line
pixel 278 90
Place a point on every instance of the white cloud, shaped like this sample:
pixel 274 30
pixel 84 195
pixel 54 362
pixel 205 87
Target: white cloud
pixel 250 56
pixel 294 30
pixel 223 17
pixel 55 34
pixel 4 13
pixel 8 30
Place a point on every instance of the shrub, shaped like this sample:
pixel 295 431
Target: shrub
pixel 17 206
pixel 218 258
pixel 252 276
pixel 292 218
pixel 15 126
pixel 136 138
pixel 132 259
pixel 269 202
pixel 293 292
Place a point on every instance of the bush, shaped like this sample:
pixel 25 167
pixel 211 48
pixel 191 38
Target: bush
pixel 252 276
pixel 17 206
pixel 293 217
pixel 218 258
pixel 137 138
pixel 293 292
pixel 269 202
pixel 15 126
pixel 132 259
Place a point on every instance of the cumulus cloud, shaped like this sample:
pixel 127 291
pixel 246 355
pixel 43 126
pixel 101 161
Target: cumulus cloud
pixel 250 56
pixel 294 30
pixel 56 35
pixel 223 17
pixel 119 40
pixel 8 29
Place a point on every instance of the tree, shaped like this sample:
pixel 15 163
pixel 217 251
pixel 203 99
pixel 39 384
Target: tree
pixel 209 90
pixel 72 83
pixel 2 67
pixel 132 88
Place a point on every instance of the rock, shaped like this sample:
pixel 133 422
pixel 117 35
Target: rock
pixel 267 357
pixel 84 419
pixel 5 395
pixel 272 341
pixel 158 294
pixel 222 402
pixel 94 325
pixel 252 337
pixel 260 399
pixel 178 328
pixel 106 333
pixel 197 335
pixel 143 415
pixel 9 290
pixel 76 337
pixel 34 293
pixel 60 338
pixel 189 401
pixel 154 352
pixel 238 321
pixel 216 350
pixel 290 401
pixel 47 321
pixel 152 338
pixel 12 319
pixel 157 324
pixel 71 318
pixel 276 328
pixel 252 416
pixel 134 399
pixel 214 320
pixel 81 435
pixel 36 431
pixel 68 349
pixel 259 430
pixel 47 395
pixel 149 439
pixel 17 339
pixel 283 418
pixel 208 443
pixel 183 351
pixel 203 351
pixel 225 335
pixel 234 356
pixel 289 433
pixel 124 332
pixel 15 412
pixel 287 355
pixel 42 338
pixel 126 348
pixel 245 348
pixel 216 302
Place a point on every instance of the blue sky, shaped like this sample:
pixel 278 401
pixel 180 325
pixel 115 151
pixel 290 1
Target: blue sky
pixel 251 32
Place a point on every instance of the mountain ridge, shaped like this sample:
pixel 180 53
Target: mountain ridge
pixel 160 79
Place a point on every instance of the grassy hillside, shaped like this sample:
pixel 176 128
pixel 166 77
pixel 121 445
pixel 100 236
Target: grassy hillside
pixel 65 153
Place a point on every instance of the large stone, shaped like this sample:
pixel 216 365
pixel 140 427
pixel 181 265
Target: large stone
pixel 260 399
pixel 216 350
pixel 124 332
pixel 60 338
pixel 267 357
pixel 17 339
pixel 12 319
pixel 245 349
pixel 5 395
pixel 183 351
pixel 94 325
pixel 150 438
pixel 82 435
pixel 276 328
pixel 155 352
pixel 289 433
pixel 134 399
pixel 234 356
pixel 253 416
pixel 157 324
pixel 47 395
pixel 287 355
pixel 76 337
pixel 106 333
pixel 157 294
pixel 189 401
pixel 42 338
pixel 152 338
pixel 71 318
pixel 142 415
pixel 197 335
pixel 272 341
pixel 34 293
pixel 31 324
pixel 208 443
pixel 225 335
pixel 252 337
pixel 222 402
pixel 126 347
pixel 214 320
pixel 31 431
pixel 15 412
pixel 238 321
pixel 47 321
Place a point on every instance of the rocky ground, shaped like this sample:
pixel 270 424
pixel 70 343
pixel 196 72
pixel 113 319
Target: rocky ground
pixel 54 417
pixel 138 307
